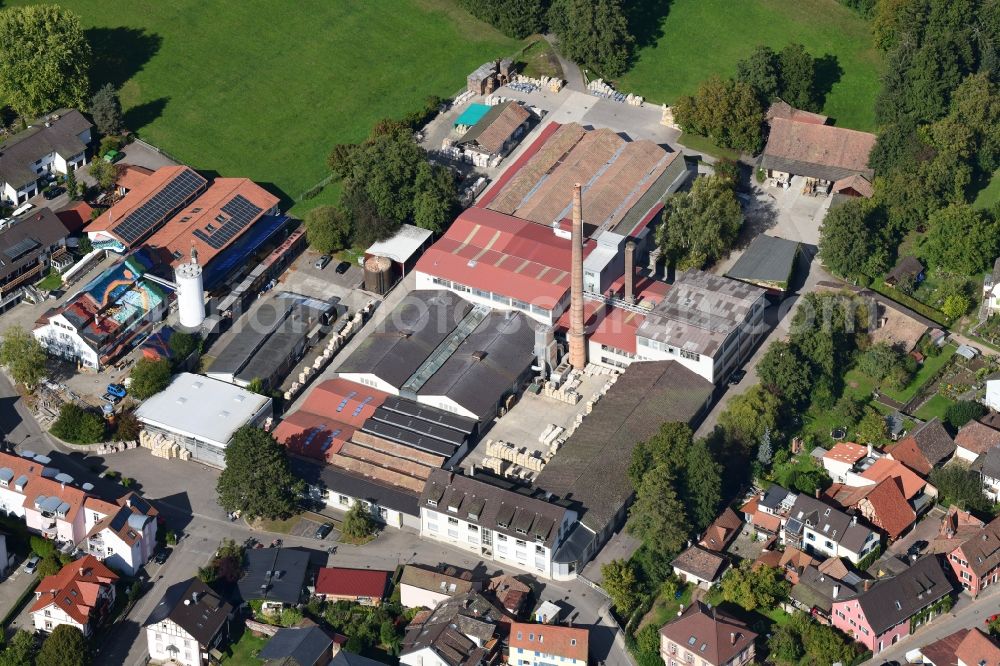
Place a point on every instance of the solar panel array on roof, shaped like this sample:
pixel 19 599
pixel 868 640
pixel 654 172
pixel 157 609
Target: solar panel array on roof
pixel 240 212
pixel 137 224
pixel 21 248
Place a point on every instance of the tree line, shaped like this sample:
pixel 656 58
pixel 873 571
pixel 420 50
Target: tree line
pixel 938 112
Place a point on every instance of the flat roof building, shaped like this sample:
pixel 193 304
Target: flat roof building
pixel 768 262
pixel 201 415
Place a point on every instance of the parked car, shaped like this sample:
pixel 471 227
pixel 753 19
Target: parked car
pixel 112 156
pixel 32 564
pixel 117 390
pixel 161 556
pixel 918 547
pixel 323 530
pixel 342 267
pixel 322 262
pixel 53 192
pixel 737 377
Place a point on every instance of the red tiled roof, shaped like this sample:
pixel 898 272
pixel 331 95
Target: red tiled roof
pixel 884 468
pixel 820 144
pixel 131 176
pixel 907 452
pixel 978 648
pixel 492 138
pixel 138 196
pixel 569 642
pixel 977 437
pixel 342 582
pixel 846 452
pixel 722 530
pixel 75 217
pixel 713 632
pixel 857 183
pixel 515 167
pixel 782 109
pixel 75 589
pixel 891 510
pixel 942 651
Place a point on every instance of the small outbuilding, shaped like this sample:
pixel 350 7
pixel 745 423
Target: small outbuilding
pixel 907 269
pixel 393 257
pixel 768 262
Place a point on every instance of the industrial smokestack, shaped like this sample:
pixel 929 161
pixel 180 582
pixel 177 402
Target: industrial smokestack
pixel 577 341
pixel 630 272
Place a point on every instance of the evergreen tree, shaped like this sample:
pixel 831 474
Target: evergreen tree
pixel 106 110
pixel 702 484
pixel 657 517
pixel 256 480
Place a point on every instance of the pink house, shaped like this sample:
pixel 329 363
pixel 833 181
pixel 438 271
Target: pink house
pixel 880 616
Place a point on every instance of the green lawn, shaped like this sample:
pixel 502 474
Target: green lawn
pixel 50 282
pixel 244 652
pixel 989 195
pixel 703 37
pixel 930 366
pixel 251 88
pixel 936 406
pixel 704 145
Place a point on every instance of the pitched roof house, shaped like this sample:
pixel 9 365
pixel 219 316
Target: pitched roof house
pixel 188 624
pixel 699 565
pixel 56 143
pixel 959 525
pixel 791 562
pixel 125 537
pixel 988 467
pixel 817 151
pixel 541 644
pixel 925 448
pixel 883 504
pixel 976 562
pixel 881 616
pixel 817 589
pixel 707 635
pixel 275 575
pixel 722 531
pixel 461 631
pixel 80 595
pixel 421 586
pixel 818 528
pixel 306 645
pixel 974 439
pixel 365 586
pixel 965 647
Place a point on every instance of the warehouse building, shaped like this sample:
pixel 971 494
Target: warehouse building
pixel 768 262
pixel 442 351
pixel 200 415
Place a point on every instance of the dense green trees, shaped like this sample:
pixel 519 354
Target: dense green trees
pixel 886 364
pixel 256 480
pixel 963 411
pixel 620 582
pixel 783 372
pixel 65 646
pixel 20 650
pixel 328 229
pixel 593 33
pixel 44 59
pixel 387 181
pixel 788 74
pixel 358 522
pixel 514 18
pixel 749 415
pixel 727 111
pixel 701 225
pixel 961 239
pixel 851 242
pixel 804 641
pixel 105 173
pixel 149 377
pixel 961 486
pixel 106 110
pixel 78 425
pixel 754 587
pixel 23 356
pixel 657 517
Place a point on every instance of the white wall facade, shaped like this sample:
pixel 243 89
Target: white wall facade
pixel 417 597
pixel 166 641
pixel 493 300
pixel 50 617
pixel 992 399
pixel 60 338
pixel 423 657
pixel 341 501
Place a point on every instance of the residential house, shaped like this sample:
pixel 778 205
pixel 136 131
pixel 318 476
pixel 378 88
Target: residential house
pixel 122 535
pixel 189 625
pixel 817 589
pixel 461 631
pixel 546 644
pixel 880 616
pixel 991 301
pixel 842 458
pixel 974 439
pixel 790 561
pixel 424 587
pixel 29 246
pixel 707 323
pixel 928 446
pixel 43 497
pixel 699 566
pixel 883 504
pixel 304 645
pixel 988 467
pixel 75 216
pixel 80 595
pixel 494 523
pixel 965 647
pixel 976 562
pixel 708 637
pixel 820 529
pixel 55 144
pixel 509 592
pixel 275 576
pixel 958 525
pixel 908 270
pixel 364 586
pixel 768 512
pixel 722 531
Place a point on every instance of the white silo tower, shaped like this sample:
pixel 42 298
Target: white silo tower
pixel 190 293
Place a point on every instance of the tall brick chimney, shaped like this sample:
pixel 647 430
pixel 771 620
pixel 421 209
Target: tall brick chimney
pixel 630 272
pixel 577 341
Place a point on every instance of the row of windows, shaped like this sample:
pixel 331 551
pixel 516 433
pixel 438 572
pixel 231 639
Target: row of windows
pixel 491 296
pixel 655 344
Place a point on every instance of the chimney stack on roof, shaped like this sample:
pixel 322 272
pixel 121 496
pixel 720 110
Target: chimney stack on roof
pixel 630 272
pixel 732 638
pixel 577 340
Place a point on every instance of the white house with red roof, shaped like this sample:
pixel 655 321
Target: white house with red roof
pixel 544 644
pixel 122 535
pixel 80 595
pixel 43 497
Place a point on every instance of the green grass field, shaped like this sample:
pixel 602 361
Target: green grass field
pixel 251 88
pixel 989 195
pixel 929 367
pixel 936 406
pixel 704 37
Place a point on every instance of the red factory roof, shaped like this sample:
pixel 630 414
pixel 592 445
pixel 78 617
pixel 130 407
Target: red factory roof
pixel 331 414
pixel 177 236
pixel 342 582
pixel 131 176
pixel 512 170
pixel 76 216
pixel 142 193
pixel 613 326
pixel 491 251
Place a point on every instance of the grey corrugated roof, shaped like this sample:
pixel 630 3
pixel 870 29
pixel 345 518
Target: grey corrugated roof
pixel 256 328
pixel 767 259
pixel 671 180
pixel 591 468
pixel 278 348
pixel 407 336
pixel 20 151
